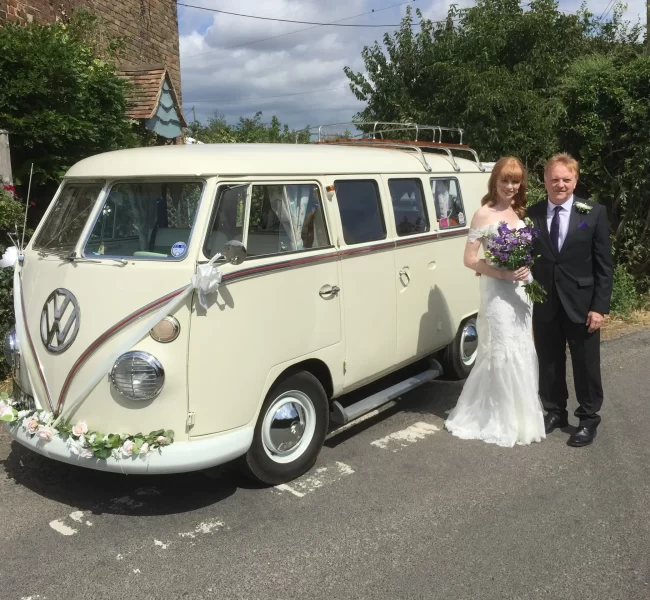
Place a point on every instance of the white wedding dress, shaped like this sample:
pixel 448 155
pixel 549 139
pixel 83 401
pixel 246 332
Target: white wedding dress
pixel 499 403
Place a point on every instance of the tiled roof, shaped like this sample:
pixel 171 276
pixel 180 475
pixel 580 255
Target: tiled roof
pixel 147 82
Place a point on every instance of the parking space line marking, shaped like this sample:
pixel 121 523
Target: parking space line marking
pixel 320 477
pixel 283 487
pixel 62 528
pixel 403 438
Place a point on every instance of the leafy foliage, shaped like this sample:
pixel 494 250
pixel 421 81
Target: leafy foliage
pixel 59 100
pixel 529 81
pixel 246 131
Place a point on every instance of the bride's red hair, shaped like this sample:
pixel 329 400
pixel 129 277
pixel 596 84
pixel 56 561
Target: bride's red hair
pixel 507 168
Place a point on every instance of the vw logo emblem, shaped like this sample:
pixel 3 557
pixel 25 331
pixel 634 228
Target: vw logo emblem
pixel 59 321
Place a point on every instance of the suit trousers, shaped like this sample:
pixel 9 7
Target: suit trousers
pixel 551 339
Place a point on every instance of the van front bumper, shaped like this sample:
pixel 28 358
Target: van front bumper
pixel 178 457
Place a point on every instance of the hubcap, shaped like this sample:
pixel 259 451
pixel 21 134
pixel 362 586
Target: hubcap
pixel 288 426
pixel 469 343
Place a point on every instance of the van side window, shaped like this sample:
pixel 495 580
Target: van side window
pixel 448 202
pixel 286 218
pixel 283 218
pixel 408 206
pixel 360 210
pixel 227 219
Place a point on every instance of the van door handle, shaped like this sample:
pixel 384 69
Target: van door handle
pixel 404 274
pixel 329 291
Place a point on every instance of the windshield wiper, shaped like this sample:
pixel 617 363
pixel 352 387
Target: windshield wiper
pixel 72 257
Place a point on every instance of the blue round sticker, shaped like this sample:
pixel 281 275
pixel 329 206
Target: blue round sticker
pixel 178 249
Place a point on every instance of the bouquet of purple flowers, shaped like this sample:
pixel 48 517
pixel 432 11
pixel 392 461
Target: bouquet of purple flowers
pixel 513 249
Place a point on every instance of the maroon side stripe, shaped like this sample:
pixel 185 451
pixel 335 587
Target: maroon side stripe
pixel 104 337
pixel 31 345
pixel 279 265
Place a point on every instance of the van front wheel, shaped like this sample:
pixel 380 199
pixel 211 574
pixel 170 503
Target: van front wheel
pixel 290 430
pixel 459 357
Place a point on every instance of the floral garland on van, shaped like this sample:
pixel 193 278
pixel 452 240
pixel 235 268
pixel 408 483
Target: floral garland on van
pixel 79 439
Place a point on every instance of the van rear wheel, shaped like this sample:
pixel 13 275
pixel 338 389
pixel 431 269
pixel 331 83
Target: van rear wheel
pixel 290 430
pixel 459 357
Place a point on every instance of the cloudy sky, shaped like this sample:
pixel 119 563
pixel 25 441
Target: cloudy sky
pixel 237 65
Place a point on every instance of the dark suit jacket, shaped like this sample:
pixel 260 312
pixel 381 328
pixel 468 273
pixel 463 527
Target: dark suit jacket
pixel 579 277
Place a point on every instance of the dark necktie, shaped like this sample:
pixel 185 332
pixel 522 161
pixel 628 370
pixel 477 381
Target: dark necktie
pixel 555 229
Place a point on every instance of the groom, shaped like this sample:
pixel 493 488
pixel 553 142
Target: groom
pixel 575 268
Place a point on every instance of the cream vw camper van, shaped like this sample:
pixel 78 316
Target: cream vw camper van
pixel 180 307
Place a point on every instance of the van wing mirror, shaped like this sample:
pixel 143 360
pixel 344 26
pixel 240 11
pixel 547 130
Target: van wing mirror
pixel 234 252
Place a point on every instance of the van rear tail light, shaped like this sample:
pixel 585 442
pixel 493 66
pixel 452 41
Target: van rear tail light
pixel 138 376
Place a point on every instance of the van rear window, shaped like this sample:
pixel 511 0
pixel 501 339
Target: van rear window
pixel 146 220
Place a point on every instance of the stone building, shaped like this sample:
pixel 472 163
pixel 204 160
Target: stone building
pixel 151 59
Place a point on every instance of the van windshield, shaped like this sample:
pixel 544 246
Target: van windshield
pixel 145 220
pixel 68 217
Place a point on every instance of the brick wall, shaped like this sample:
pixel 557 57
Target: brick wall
pixel 149 26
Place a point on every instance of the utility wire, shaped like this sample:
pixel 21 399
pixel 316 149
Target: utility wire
pixel 273 37
pixel 318 24
pixel 217 101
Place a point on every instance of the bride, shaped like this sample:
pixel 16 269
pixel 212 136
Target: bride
pixel 499 402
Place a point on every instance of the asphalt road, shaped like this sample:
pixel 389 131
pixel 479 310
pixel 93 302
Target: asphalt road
pixel 395 508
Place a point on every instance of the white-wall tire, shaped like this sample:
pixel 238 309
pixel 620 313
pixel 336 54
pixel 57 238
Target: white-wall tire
pixel 290 430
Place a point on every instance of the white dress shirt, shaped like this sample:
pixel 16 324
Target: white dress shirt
pixel 565 215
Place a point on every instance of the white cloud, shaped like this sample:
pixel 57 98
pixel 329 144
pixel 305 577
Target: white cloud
pixel 297 77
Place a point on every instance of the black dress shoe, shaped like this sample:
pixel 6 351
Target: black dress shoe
pixel 553 421
pixel 583 436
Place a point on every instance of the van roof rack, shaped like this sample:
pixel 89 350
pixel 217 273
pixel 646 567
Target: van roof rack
pixel 380 134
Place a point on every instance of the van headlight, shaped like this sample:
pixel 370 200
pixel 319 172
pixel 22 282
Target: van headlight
pixel 138 376
pixel 11 349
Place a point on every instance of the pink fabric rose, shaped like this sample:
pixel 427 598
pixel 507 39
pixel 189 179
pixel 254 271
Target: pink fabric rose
pixel 81 428
pixel 86 453
pixel 161 440
pixel 31 424
pixel 128 447
pixel 145 448
pixel 46 433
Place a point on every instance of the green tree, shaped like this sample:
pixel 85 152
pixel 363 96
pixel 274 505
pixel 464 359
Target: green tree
pixel 246 131
pixel 492 70
pixel 60 99
pixel 606 121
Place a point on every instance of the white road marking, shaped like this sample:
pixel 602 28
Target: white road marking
pixel 403 438
pixel 162 545
pixel 311 482
pixel 283 487
pixel 136 571
pixel 62 528
pixel 204 528
pixel 78 516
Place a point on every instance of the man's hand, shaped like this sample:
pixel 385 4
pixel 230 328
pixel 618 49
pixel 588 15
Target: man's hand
pixel 594 321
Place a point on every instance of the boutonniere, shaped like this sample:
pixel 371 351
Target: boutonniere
pixel 582 208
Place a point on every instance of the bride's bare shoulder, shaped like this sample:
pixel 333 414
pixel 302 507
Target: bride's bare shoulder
pixel 482 217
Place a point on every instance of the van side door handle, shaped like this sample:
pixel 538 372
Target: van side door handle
pixel 329 291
